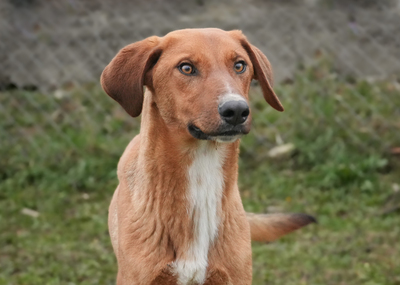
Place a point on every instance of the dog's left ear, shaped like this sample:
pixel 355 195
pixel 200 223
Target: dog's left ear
pixel 124 77
pixel 262 70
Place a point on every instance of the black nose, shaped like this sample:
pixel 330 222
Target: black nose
pixel 234 112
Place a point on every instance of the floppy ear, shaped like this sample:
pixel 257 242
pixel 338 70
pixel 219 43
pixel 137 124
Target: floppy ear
pixel 262 72
pixel 124 77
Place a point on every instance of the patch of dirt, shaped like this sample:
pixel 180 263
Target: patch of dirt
pixel 49 43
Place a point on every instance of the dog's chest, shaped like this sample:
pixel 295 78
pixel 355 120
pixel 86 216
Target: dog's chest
pixel 205 186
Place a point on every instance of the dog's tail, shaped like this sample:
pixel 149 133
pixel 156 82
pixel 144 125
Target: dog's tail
pixel 269 227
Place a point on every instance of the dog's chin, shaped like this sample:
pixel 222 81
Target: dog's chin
pixel 226 139
pixel 221 136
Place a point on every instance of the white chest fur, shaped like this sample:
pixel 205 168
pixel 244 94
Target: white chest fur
pixel 206 184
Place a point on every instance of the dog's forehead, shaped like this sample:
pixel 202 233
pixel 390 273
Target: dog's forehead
pixel 205 41
pixel 208 32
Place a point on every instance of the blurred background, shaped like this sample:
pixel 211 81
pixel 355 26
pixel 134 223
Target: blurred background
pixel 334 153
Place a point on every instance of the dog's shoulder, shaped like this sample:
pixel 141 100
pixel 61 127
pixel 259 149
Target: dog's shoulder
pixel 129 156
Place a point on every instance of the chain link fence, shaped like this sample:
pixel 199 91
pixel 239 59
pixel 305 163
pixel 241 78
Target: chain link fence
pixel 51 46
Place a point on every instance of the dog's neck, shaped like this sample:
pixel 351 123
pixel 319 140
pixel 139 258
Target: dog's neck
pixel 188 182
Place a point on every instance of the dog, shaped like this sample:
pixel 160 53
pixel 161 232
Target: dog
pixel 176 216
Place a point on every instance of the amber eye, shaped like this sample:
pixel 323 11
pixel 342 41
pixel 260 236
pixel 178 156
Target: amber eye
pixel 240 66
pixel 186 69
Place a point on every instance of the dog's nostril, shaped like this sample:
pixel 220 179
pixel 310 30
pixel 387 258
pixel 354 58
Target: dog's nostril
pixel 245 113
pixel 228 113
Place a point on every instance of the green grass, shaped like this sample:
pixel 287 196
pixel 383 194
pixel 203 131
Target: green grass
pixel 59 155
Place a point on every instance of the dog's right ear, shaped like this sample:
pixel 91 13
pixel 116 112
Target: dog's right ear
pixel 262 70
pixel 124 77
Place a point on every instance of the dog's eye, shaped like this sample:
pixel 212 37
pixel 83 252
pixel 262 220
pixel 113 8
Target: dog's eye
pixel 240 66
pixel 186 69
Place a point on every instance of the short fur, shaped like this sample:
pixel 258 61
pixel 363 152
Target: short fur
pixel 176 216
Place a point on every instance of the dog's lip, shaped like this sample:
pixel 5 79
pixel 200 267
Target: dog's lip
pixel 194 128
pixel 197 133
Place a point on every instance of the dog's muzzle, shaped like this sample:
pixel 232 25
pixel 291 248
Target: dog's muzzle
pixel 234 112
pixel 226 133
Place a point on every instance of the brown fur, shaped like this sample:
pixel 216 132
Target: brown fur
pixel 269 227
pixel 148 220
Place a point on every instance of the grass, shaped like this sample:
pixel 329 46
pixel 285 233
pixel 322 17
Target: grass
pixel 59 152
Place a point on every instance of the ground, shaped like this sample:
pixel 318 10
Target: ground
pixel 344 171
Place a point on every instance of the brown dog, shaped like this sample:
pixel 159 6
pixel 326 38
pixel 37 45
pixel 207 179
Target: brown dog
pixel 176 216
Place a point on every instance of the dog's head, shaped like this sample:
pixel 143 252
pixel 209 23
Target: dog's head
pixel 199 79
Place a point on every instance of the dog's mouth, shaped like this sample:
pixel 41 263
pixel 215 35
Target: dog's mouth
pixel 225 134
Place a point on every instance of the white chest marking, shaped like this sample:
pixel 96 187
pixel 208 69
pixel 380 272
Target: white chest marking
pixel 206 184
